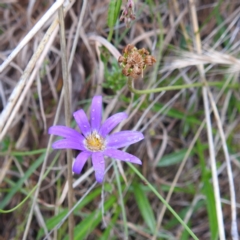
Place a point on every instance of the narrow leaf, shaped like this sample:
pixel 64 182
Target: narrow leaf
pixel 144 207
pixel 111 14
pixel 20 182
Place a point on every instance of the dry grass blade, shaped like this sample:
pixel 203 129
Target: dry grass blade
pixel 31 34
pixel 234 229
pixel 209 125
pixel 207 57
pixel 107 44
pixel 176 178
pixel 67 107
pixel 24 83
pixel 181 129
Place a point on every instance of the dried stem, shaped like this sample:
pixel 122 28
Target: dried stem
pixel 234 230
pixel 67 107
pixel 17 106
pixel 209 125
pixel 7 114
pixel 75 41
pixel 24 83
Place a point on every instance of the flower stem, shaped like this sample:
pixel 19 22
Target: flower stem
pixel 169 88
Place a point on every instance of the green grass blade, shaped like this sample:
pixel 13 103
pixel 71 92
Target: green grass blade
pixel 172 158
pixel 117 10
pixel 113 12
pixel 144 207
pixel 25 153
pixel 20 182
pixel 163 200
pixel 208 191
pixel 54 221
pixel 121 200
pixel 89 223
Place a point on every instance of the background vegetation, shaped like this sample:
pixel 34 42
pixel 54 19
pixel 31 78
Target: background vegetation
pixel 191 149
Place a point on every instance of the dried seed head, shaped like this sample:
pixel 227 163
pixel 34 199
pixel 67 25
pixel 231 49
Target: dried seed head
pixel 134 61
pixel 149 60
pixel 134 58
pixel 126 70
pixel 128 49
pixel 143 51
pixel 121 59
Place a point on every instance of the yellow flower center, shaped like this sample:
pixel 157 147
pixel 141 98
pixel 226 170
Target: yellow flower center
pixel 94 142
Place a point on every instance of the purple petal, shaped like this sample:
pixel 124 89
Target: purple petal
pixel 123 156
pixel 96 112
pixel 123 139
pixel 80 162
pixel 111 123
pixel 66 132
pixel 82 121
pixel 98 165
pixel 68 144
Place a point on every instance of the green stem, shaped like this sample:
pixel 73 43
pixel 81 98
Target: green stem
pixel 28 153
pixel 163 201
pixel 110 34
pixel 176 87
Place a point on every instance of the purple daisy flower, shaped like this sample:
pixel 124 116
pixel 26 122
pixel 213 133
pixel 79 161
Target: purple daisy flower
pixel 94 141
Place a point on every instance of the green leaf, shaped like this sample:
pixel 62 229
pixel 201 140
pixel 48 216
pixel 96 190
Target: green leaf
pixel 144 207
pixel 117 9
pixel 113 12
pixel 88 224
pixel 172 112
pixel 172 158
